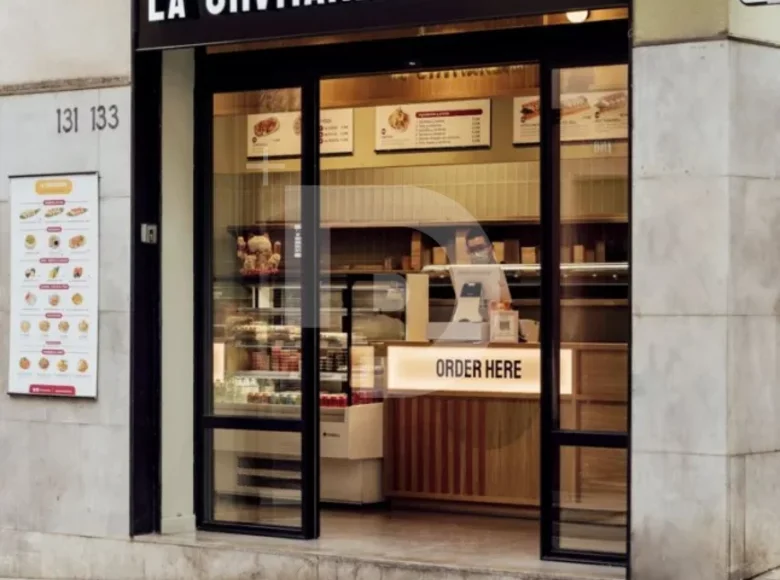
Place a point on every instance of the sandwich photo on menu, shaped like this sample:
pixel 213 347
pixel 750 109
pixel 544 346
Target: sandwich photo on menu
pixel 29 213
pixel 574 105
pixel 612 103
pixel 54 212
pixel 77 211
pixel 530 110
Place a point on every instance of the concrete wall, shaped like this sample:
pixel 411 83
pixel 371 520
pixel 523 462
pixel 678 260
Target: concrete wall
pixel 672 21
pixel 706 219
pixel 84 42
pixel 66 463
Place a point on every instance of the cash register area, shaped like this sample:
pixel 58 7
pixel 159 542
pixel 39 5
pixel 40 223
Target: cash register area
pixel 430 307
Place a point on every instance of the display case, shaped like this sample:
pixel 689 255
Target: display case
pixel 257 360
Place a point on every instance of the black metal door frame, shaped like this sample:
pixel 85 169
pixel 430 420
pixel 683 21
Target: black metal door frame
pixel 553 437
pixel 205 421
pixel 145 280
pixel 145 293
pixel 552 46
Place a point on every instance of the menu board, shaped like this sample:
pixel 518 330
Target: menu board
pixel 425 126
pixel 592 116
pixel 54 286
pixel 279 134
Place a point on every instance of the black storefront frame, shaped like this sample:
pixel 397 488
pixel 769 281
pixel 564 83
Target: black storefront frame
pixel 598 43
pixel 607 43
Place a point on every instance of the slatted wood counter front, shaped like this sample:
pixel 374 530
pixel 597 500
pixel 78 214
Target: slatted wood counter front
pixel 484 448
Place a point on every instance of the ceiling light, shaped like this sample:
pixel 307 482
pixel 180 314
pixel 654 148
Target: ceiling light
pixel 578 16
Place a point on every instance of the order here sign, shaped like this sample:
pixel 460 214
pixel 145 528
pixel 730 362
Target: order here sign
pixel 471 369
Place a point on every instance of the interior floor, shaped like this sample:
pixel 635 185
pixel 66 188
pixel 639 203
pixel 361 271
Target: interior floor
pixel 467 541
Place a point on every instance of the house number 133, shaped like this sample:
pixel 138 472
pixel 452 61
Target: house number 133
pixel 102 118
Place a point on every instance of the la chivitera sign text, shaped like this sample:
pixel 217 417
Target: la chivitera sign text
pixel 162 10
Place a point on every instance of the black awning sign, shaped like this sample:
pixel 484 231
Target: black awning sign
pixel 163 10
pixel 164 24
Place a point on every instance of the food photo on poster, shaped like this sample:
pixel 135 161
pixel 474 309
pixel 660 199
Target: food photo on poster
pixel 54 286
pixel 279 134
pixel 588 116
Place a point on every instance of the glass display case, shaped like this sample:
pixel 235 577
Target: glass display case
pixel 258 349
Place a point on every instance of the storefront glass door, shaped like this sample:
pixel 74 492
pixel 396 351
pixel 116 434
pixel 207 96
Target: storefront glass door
pixel 259 419
pixel 428 175
pixel 586 312
pixel 429 184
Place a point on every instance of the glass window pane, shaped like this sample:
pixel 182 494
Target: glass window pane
pixel 442 190
pixel 256 477
pixel 256 293
pixel 594 239
pixel 593 500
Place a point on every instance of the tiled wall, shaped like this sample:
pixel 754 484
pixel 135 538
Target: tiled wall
pixel 495 191
pixel 411 196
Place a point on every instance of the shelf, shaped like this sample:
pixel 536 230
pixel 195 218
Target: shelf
pixel 271 343
pixel 328 414
pixel 237 230
pixel 289 376
pixel 292 275
pixel 297 311
pixel 567 268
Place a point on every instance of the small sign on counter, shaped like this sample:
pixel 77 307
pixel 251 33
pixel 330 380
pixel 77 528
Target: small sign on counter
pixel 279 134
pixel 426 126
pixel 471 369
pixel 54 286
pixel 589 116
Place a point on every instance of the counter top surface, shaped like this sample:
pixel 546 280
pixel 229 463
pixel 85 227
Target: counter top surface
pixel 566 345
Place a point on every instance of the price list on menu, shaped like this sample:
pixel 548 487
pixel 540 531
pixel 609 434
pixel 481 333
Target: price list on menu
pixel 430 126
pixel 54 286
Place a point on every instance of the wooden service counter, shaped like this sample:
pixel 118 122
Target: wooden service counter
pixel 482 445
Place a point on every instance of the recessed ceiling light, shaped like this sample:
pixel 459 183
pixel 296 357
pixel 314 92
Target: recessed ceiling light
pixel 578 16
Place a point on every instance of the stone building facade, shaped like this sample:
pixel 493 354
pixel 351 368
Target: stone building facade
pixel 705 446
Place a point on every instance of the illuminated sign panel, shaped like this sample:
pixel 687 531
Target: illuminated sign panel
pixel 464 369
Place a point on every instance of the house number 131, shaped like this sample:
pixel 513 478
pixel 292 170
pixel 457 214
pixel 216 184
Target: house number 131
pixel 102 118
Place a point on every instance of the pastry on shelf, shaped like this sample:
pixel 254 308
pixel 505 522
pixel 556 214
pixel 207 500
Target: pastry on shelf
pixel 258 255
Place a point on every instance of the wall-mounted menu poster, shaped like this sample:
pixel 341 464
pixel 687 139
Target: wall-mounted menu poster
pixel 54 286
pixel 279 134
pixel 425 126
pixel 592 116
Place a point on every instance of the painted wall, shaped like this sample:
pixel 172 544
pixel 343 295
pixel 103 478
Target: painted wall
pixel 760 23
pixel 177 292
